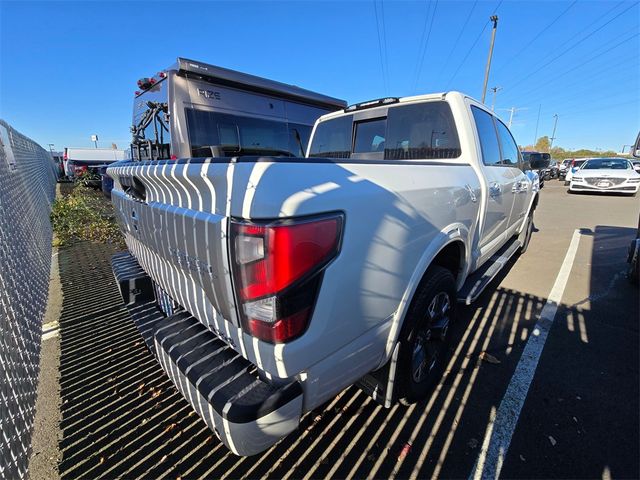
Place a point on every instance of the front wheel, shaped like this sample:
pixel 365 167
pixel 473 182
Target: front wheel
pixel 424 337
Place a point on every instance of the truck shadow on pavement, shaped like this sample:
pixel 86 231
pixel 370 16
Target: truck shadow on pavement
pixel 122 417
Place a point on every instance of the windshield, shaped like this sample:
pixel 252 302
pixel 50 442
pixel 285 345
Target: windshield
pixel 611 163
pixel 413 131
pixel 220 134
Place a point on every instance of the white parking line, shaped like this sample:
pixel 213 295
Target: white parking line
pixel 503 423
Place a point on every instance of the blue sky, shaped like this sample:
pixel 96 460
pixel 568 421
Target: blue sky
pixel 69 69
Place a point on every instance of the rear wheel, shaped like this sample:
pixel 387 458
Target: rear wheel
pixel 424 338
pixel 525 235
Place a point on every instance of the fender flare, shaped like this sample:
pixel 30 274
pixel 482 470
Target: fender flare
pixel 455 232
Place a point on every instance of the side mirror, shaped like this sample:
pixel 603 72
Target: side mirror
pixel 636 148
pixel 540 163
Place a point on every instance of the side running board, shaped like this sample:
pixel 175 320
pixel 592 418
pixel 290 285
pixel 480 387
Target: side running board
pixel 478 280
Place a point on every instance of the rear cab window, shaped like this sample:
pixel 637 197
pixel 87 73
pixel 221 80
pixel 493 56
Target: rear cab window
pixel 424 130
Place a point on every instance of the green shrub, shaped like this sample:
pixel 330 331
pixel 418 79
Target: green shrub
pixel 84 214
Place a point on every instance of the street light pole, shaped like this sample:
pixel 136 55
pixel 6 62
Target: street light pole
pixel 494 19
pixel 553 135
pixel 495 91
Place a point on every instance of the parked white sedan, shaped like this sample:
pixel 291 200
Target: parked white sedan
pixel 606 175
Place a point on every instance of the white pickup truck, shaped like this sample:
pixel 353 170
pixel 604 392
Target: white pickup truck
pixel 266 285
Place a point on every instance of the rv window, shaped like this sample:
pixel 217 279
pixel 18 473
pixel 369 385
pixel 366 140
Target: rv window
pixel 332 138
pixel 299 138
pixel 221 134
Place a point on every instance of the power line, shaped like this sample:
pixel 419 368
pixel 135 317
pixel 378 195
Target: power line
pixel 605 107
pixel 384 76
pixel 581 64
pixel 455 44
pixel 422 37
pixel 473 45
pixel 384 41
pixel 597 20
pixel 603 71
pixel 468 53
pixel 531 74
pixel 540 33
pixel 426 44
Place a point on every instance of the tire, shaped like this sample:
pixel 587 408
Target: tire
pixel 633 272
pixel 525 235
pixel 424 338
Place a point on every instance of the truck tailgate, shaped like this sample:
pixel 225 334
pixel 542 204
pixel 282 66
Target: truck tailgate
pixel 174 220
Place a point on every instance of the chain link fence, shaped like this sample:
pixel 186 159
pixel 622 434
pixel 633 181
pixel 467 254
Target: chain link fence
pixel 27 190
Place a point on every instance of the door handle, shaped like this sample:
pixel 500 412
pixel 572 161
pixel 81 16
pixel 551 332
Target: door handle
pixel 520 187
pixel 494 189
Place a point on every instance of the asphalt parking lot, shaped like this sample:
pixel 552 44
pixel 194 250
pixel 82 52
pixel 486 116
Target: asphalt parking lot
pixel 572 413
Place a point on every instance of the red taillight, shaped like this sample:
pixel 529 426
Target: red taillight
pixel 277 269
pixel 79 168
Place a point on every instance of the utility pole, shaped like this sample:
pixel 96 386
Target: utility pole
pixel 513 109
pixel 553 135
pixel 494 90
pixel 494 19
pixel 51 148
pixel 537 123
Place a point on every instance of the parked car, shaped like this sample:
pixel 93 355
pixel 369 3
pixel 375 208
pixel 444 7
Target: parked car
pixel 552 170
pixel 298 277
pixel 84 163
pixel 563 168
pixel 106 181
pixel 606 175
pixel 576 163
pixel 539 163
pixel 636 165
